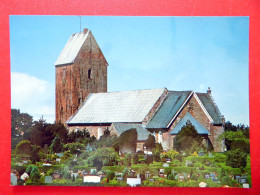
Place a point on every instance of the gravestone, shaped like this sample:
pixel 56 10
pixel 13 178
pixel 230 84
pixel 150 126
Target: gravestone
pixel 236 177
pixel 151 179
pixel 188 162
pixel 93 171
pixel 133 181
pixel 210 154
pixel 138 175
pixel 242 180
pixel 181 178
pixel 245 185
pixel 13 179
pixel 147 174
pixel 119 178
pixel 206 176
pixel 165 165
pixel 58 159
pixel 161 170
pixel 48 179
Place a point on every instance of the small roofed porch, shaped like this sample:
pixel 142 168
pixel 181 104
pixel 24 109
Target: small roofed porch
pixel 188 119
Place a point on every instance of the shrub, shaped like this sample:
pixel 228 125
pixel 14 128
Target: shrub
pixel 56 145
pixel 34 173
pixel 171 177
pixel 149 159
pixel 150 142
pixel 127 160
pixel 110 175
pixel 23 147
pixel 135 158
pixel 168 171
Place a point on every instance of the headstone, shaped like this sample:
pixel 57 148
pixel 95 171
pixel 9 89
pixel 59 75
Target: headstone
pixel 188 162
pixel 176 177
pixel 242 180
pixel 181 178
pixel 236 177
pixel 161 170
pixel 138 175
pixel 151 179
pixel 165 165
pixel 133 181
pixel 210 154
pixel 93 171
pixel 60 154
pixel 48 179
pixel 147 174
pixel 245 185
pixel 119 178
pixel 202 184
pixel 25 161
pixel 13 179
pixel 206 176
pixel 91 179
pixel 58 159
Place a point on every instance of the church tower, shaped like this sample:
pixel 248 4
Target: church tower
pixel 81 68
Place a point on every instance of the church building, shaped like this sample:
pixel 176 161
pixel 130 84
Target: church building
pixel 82 101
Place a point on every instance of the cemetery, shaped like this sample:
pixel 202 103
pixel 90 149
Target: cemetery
pixel 108 168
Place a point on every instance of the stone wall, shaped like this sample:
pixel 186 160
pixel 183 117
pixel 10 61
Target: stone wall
pixel 74 82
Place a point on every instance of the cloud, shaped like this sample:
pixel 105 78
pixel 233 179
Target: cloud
pixel 33 96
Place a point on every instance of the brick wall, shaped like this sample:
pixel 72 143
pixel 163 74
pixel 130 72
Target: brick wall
pixel 196 111
pixel 74 82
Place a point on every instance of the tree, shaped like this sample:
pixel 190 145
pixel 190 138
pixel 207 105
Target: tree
pixel 35 154
pixel 127 141
pixel 21 123
pixel 56 145
pixel 74 147
pixel 168 171
pixel 60 130
pixel 102 156
pixel 187 139
pixel 236 158
pixel 236 140
pixel 150 142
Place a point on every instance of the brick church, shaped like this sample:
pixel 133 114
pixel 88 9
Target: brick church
pixel 82 101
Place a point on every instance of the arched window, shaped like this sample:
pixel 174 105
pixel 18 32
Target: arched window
pixel 89 73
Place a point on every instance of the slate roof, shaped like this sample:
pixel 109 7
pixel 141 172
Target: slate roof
pixel 116 107
pixel 200 129
pixel 71 49
pixel 141 131
pixel 211 107
pixel 172 103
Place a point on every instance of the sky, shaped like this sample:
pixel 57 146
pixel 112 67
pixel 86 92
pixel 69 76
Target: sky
pixel 179 53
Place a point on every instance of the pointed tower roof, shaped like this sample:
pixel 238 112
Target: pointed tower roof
pixel 72 48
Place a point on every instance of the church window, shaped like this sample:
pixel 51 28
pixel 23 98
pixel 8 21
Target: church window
pixel 89 73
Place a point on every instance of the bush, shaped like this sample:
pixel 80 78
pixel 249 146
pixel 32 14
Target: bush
pixel 167 171
pixel 127 160
pixel 34 173
pixel 135 158
pixel 110 175
pixel 150 142
pixel 171 177
pixel 149 159
pixel 23 147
